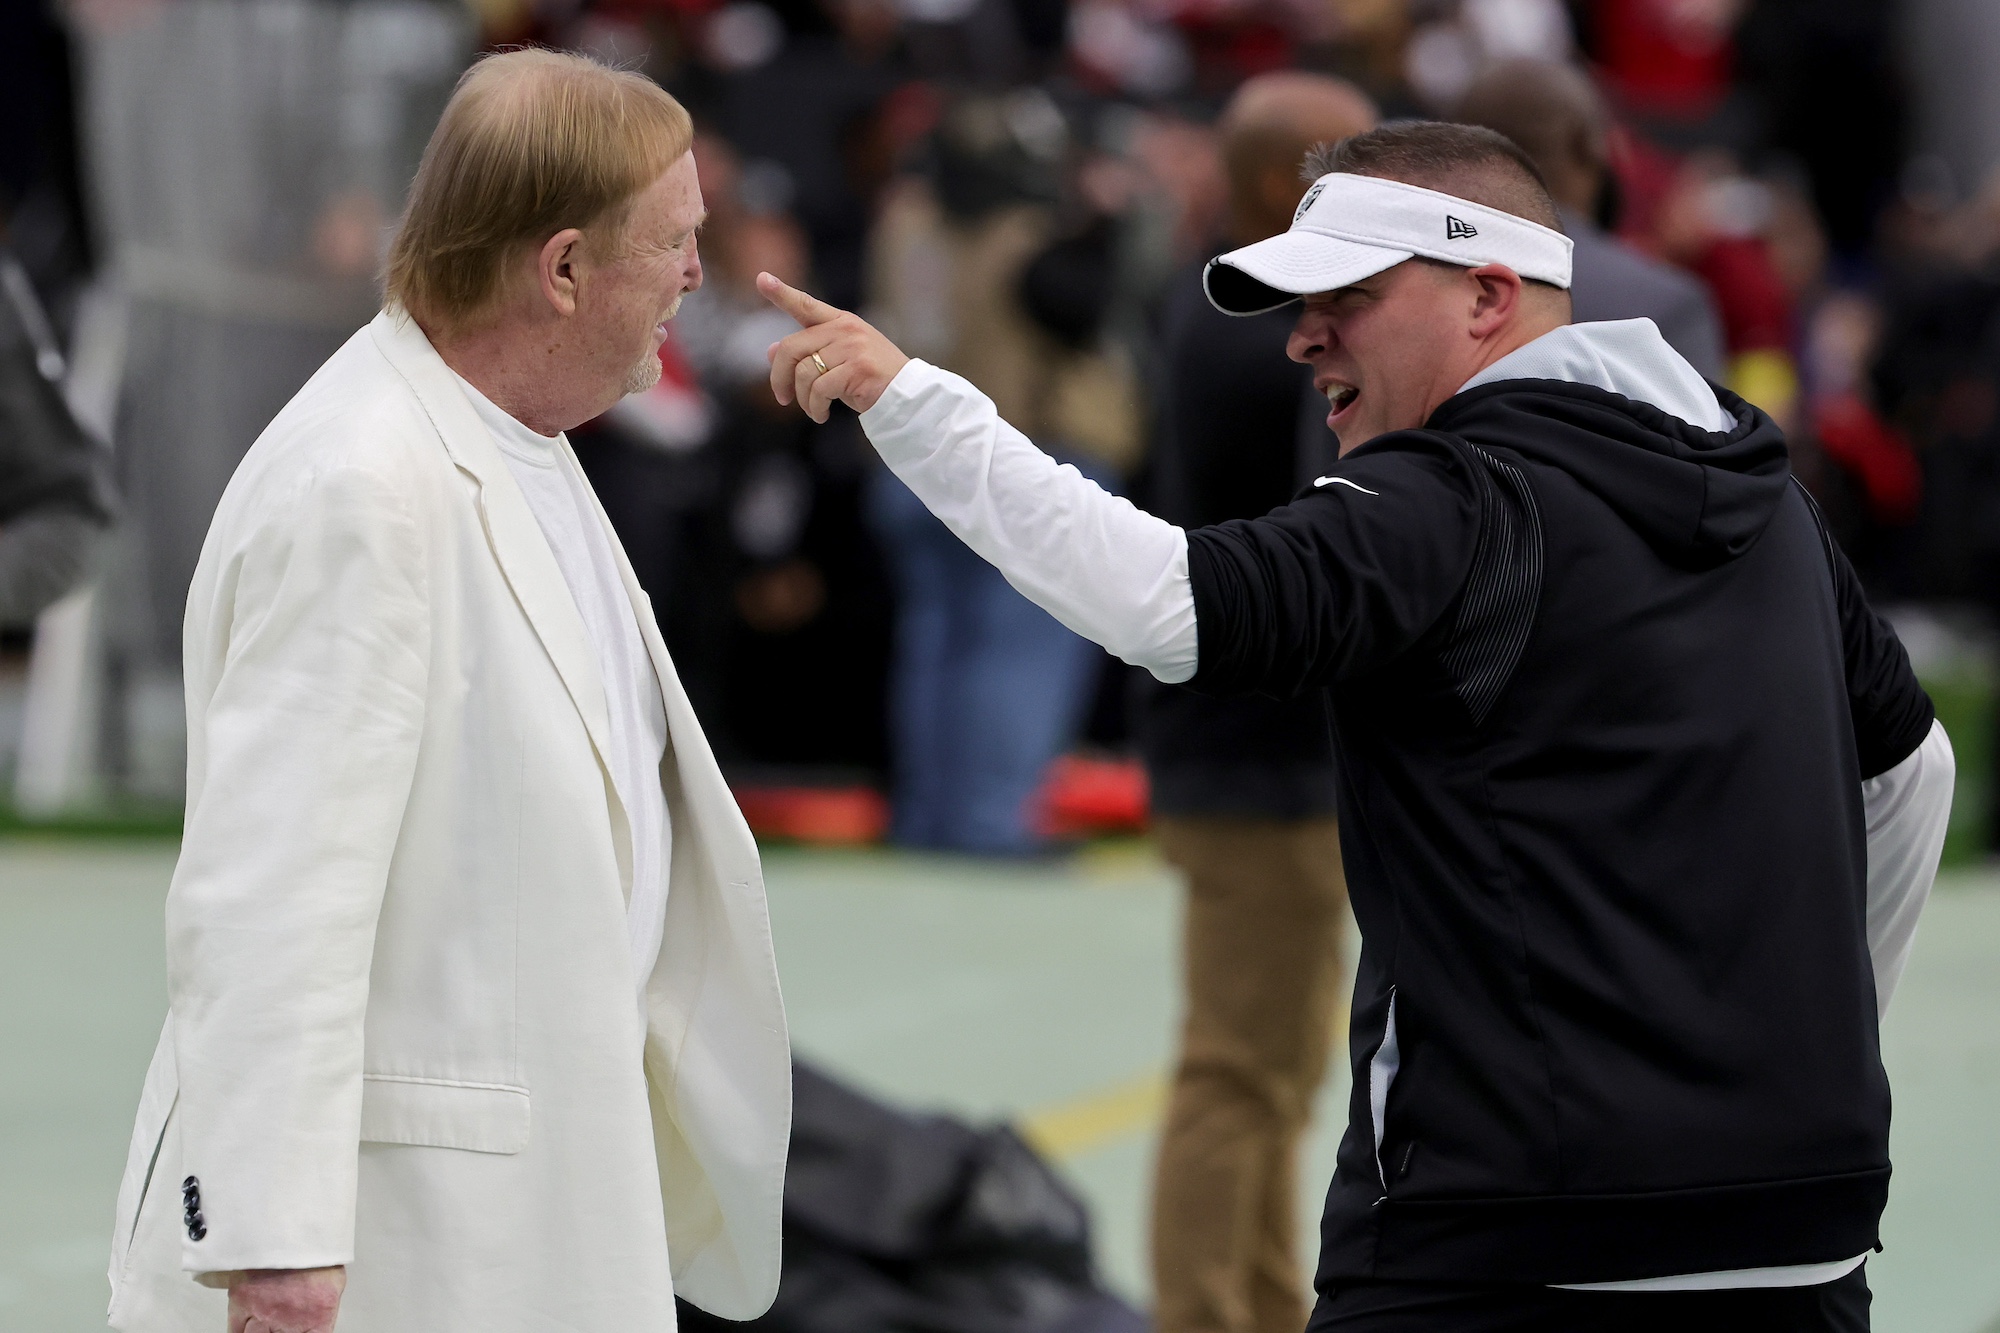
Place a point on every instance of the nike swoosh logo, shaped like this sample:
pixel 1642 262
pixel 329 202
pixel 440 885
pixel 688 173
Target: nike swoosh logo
pixel 1342 481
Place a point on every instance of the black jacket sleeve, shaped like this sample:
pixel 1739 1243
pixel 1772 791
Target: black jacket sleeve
pixel 1889 709
pixel 1891 712
pixel 1342 580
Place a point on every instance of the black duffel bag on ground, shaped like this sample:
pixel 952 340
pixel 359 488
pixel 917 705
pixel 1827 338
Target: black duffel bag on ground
pixel 904 1223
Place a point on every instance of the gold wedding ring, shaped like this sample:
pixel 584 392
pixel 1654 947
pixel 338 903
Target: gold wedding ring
pixel 823 367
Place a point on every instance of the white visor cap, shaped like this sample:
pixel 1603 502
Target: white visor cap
pixel 1352 227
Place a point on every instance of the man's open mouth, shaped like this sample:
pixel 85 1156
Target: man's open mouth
pixel 1340 397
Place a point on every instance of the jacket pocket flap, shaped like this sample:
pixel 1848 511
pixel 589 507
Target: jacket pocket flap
pixel 435 1113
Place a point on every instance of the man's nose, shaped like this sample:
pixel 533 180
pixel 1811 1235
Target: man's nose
pixel 691 279
pixel 1309 338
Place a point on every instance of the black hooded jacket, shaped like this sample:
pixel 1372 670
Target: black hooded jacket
pixel 1604 696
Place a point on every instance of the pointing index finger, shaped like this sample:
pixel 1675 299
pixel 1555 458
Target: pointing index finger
pixel 807 310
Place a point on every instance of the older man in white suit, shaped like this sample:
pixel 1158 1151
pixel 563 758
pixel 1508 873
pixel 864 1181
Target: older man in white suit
pixel 474 1021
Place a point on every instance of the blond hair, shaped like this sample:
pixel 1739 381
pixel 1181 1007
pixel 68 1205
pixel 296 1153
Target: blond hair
pixel 532 142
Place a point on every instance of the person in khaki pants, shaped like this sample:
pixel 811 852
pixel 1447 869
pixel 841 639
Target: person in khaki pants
pixel 1266 912
pixel 1243 789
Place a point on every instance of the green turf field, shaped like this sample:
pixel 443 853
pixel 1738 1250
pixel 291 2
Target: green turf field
pixel 1038 993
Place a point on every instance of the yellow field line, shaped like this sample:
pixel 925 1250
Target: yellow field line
pixel 1073 1128
pixel 1070 1129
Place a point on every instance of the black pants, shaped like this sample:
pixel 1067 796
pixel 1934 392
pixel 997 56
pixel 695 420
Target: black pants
pixel 1450 1307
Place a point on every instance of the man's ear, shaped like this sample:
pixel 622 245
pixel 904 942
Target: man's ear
pixel 1496 299
pixel 556 270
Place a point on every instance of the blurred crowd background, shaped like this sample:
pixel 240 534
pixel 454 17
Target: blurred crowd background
pixel 195 196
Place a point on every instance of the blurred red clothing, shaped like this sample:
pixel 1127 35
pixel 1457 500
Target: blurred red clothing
pixel 1230 48
pixel 1666 57
pixel 1756 308
pixel 1875 454
pixel 1655 188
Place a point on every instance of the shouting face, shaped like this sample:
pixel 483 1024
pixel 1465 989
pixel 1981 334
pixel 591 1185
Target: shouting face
pixel 1390 349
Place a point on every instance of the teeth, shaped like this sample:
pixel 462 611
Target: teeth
pixel 1340 395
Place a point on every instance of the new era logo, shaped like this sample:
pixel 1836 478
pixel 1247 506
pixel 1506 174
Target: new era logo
pixel 1455 230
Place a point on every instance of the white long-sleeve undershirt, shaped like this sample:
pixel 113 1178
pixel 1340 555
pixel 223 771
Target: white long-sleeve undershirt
pixel 1907 811
pixel 1113 573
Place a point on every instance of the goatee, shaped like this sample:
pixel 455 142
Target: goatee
pixel 644 375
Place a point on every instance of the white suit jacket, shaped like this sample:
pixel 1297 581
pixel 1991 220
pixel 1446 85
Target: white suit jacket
pixel 401 1032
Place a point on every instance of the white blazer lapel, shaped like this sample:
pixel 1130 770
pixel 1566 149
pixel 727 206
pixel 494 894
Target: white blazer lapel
pixel 511 529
